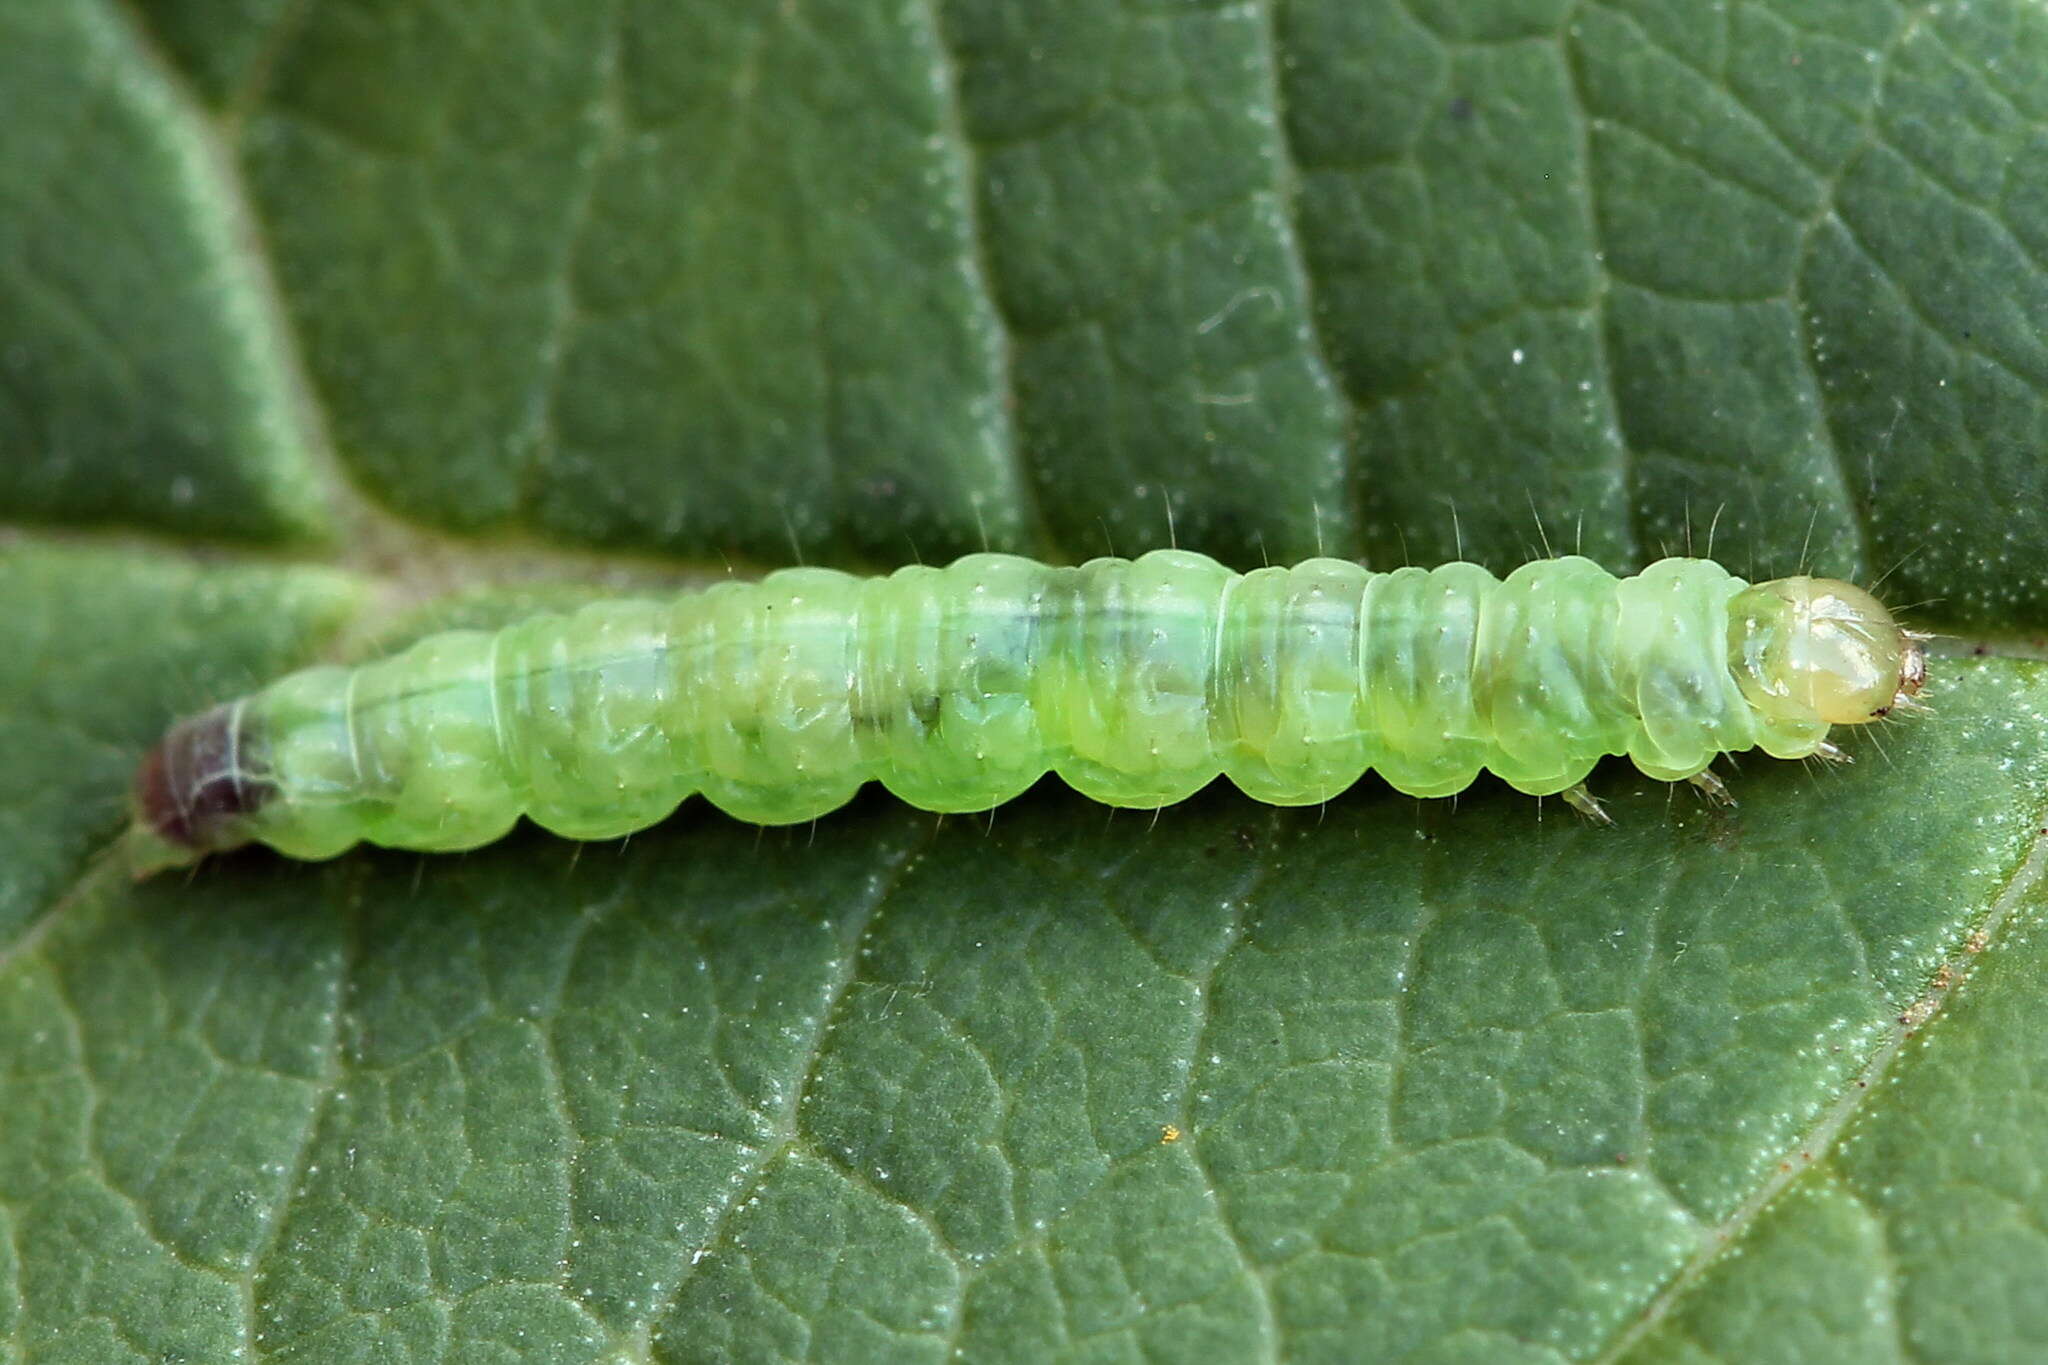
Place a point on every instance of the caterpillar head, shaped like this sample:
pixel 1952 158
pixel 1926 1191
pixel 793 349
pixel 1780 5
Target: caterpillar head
pixel 1821 649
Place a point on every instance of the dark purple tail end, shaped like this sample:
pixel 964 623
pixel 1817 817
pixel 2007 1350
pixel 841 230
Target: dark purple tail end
pixel 193 793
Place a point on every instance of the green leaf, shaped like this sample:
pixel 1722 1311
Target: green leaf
pixel 325 325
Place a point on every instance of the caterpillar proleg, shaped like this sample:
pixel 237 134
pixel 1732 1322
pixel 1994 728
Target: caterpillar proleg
pixel 1137 681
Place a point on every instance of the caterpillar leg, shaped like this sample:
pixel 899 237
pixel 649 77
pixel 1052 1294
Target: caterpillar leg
pixel 1583 801
pixel 1713 788
pixel 1830 753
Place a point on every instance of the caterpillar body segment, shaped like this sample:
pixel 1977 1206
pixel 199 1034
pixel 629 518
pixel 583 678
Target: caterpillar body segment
pixel 1137 681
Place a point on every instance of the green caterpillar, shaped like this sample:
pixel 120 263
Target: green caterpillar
pixel 1137 681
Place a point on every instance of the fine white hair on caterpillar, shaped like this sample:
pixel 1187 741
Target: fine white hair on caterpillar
pixel 1138 681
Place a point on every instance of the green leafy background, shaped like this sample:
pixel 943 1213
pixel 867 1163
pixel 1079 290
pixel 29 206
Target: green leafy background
pixel 326 321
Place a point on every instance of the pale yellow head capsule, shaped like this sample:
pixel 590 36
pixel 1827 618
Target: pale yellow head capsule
pixel 1821 649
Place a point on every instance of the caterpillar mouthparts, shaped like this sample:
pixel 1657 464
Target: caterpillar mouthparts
pixel 1137 681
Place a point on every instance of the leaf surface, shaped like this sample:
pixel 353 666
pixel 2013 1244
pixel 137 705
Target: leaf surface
pixel 323 325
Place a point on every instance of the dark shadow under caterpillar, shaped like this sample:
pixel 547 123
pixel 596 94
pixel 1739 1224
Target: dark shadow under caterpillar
pixel 1137 681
